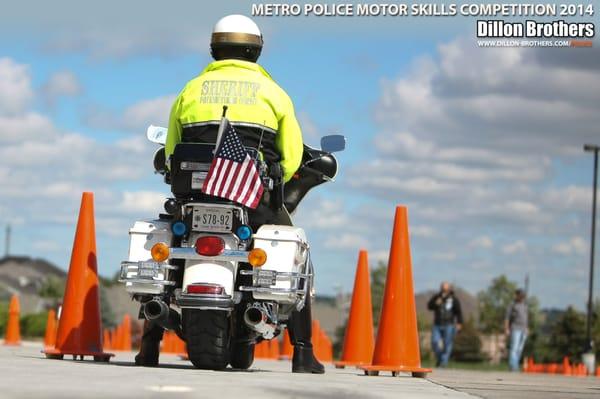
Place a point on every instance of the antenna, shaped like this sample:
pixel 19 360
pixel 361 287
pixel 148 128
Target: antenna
pixel 221 129
pixel 262 132
pixel 7 242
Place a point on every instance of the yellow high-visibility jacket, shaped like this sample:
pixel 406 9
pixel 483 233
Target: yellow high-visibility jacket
pixel 254 102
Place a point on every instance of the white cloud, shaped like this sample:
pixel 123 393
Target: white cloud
pixel 346 241
pixel 482 242
pixel 61 84
pixel 44 169
pixel 422 231
pixel 576 198
pixel 134 118
pixel 574 246
pixel 327 215
pixel 446 256
pixel 514 247
pixel 149 202
pixel 15 87
pixel 26 126
pixel 154 111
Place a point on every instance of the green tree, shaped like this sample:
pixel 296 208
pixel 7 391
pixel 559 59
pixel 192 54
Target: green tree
pixel 53 287
pixel 467 344
pixel 568 336
pixel 536 343
pixel 3 317
pixel 34 324
pixel 109 319
pixel 493 303
pixel 378 275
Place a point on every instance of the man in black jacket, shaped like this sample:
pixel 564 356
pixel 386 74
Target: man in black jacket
pixel 447 320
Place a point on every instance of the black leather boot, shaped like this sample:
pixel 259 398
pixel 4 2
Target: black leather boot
pixel 150 345
pixel 300 330
pixel 304 361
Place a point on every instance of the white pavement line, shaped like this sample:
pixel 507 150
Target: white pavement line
pixel 169 388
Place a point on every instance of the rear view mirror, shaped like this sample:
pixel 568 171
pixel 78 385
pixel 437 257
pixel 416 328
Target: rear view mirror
pixel 159 160
pixel 157 134
pixel 333 143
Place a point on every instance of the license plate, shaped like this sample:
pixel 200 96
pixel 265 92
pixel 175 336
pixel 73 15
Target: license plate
pixel 265 278
pixel 217 220
pixel 148 269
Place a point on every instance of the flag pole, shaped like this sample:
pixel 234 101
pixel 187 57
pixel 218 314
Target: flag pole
pixel 221 128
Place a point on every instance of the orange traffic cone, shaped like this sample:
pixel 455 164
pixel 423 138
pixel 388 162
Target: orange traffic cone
pixel 167 346
pixel 113 338
pixel 397 347
pixel 358 341
pixel 316 339
pixel 80 326
pixel 126 343
pixel 566 366
pixel 258 351
pixel 598 371
pixel 326 348
pixel 262 350
pixel 287 350
pixel 13 333
pixel 106 341
pixel 181 349
pixel 274 349
pixel 118 340
pixel 50 336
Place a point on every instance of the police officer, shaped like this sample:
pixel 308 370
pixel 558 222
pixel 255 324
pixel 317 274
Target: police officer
pixel 261 112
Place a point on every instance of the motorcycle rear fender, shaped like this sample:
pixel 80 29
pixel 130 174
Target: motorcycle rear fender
pixel 212 272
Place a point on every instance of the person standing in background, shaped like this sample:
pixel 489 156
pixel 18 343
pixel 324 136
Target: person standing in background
pixel 515 326
pixel 447 320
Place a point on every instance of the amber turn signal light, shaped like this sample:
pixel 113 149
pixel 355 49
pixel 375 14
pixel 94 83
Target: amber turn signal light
pixel 160 252
pixel 257 257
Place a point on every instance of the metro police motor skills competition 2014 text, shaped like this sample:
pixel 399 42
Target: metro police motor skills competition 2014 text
pixel 423 9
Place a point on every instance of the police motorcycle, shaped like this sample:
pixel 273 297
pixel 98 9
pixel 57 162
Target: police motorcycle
pixel 200 269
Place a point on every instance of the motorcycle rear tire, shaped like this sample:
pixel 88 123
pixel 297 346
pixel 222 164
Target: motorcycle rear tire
pixel 207 338
pixel 242 355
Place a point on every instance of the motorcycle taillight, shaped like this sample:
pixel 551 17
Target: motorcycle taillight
pixel 205 289
pixel 210 246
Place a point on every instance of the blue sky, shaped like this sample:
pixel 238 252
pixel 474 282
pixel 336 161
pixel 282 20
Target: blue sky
pixel 483 145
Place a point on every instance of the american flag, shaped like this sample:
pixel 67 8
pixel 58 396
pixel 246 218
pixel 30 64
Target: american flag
pixel 233 174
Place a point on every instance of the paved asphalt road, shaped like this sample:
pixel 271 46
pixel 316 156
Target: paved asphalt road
pixel 25 373
pixel 496 385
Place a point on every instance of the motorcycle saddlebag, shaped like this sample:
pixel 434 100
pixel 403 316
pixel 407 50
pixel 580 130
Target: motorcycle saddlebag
pixel 190 163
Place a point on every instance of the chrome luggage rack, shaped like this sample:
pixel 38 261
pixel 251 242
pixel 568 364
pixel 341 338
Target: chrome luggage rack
pixel 145 272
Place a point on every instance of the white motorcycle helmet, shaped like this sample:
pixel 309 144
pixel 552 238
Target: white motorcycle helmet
pixel 236 37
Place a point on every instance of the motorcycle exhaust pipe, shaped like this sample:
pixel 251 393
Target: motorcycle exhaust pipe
pixel 156 310
pixel 159 312
pixel 257 319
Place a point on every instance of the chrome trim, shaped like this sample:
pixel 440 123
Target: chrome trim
pixel 267 325
pixel 232 255
pixel 128 267
pixel 145 281
pixel 204 301
pixel 267 290
pixel 286 275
